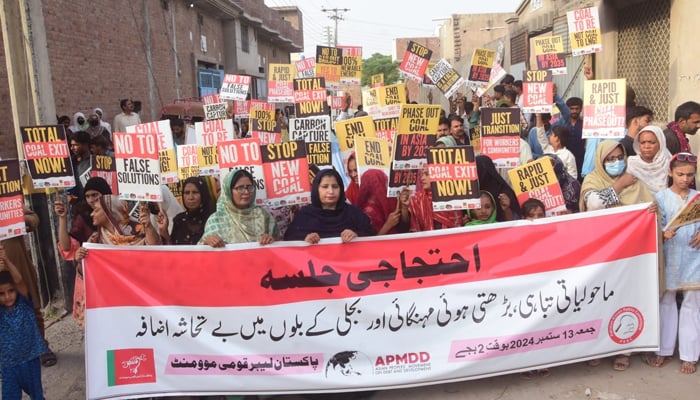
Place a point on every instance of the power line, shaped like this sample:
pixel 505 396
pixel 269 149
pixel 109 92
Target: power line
pixel 335 17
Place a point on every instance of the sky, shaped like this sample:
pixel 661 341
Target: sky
pixel 373 24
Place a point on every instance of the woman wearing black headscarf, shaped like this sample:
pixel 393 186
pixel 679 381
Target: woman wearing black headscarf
pixel 328 215
pixel 188 226
pixel 491 181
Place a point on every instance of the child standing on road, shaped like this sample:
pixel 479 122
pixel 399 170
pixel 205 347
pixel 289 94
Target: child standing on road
pixel 682 262
pixel 21 344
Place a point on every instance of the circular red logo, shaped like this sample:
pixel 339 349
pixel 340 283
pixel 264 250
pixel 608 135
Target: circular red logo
pixel 625 325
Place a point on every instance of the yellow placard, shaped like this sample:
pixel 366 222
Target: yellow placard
pixel 372 153
pixel 347 130
pixel 419 118
pixel 547 44
pixel 483 57
pixel 532 176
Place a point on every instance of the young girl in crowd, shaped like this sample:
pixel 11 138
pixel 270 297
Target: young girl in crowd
pixel 21 344
pixel 682 270
pixel 532 209
pixel 487 213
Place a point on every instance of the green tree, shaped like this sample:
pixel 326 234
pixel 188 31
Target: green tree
pixel 379 64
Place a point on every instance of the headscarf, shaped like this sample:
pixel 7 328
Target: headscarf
pixel 188 226
pixel 372 199
pixel 654 175
pixel 570 186
pixel 100 113
pixel 81 226
pixel 77 127
pixel 353 190
pixel 126 232
pixel 492 217
pixel 423 218
pixel 447 140
pixel 98 184
pixel 328 223
pixel 491 181
pixel 599 179
pixel 238 225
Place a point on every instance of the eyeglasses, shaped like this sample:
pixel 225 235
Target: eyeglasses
pixel 689 157
pixel 610 159
pixel 244 189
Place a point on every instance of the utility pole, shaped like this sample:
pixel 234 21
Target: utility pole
pixel 335 16
pixel 327 35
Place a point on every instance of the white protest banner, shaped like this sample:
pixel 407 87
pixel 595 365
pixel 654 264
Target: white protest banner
pixel 315 132
pixel 377 313
pixel 235 87
pixel 244 153
pixel 166 147
pixel 138 166
pixel 209 133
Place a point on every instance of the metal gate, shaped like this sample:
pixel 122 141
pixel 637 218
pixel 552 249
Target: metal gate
pixel 644 35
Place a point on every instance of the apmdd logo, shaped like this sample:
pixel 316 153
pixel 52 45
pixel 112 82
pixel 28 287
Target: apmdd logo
pixel 130 366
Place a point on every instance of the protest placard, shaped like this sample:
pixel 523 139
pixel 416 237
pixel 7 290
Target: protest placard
pixel 11 201
pixel 415 60
pixel 209 133
pixel 446 78
pixel 480 69
pixel 346 131
pixel 138 166
pixel 688 214
pixel 286 173
pixel 315 132
pixel 517 293
pixel 549 52
pixel 310 97
pixel 604 108
pixel 105 167
pixel 497 73
pixel 188 161
pixel 48 156
pixel 371 153
pixel 215 111
pixel 279 83
pixel 166 147
pixel 329 61
pixel 400 179
pixel 386 128
pixel 384 101
pixel 453 178
pixel 336 102
pixel 244 154
pixel 351 70
pixel 538 91
pixel 584 31
pixel 537 180
pixel 212 98
pixel 306 67
pixel 377 80
pixel 241 108
pixel 235 87
pixel 417 131
pixel 500 136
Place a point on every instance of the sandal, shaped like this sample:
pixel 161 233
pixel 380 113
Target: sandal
pixel 687 367
pixel 653 360
pixel 48 359
pixel 621 363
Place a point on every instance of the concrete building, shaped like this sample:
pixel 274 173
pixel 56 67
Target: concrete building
pixel 66 56
pixel 90 54
pixel 462 33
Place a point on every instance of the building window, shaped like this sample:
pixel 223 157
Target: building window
pixel 245 43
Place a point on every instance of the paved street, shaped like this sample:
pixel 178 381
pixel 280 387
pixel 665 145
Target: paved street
pixel 66 380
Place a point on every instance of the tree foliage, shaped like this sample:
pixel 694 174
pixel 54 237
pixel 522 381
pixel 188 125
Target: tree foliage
pixel 379 64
